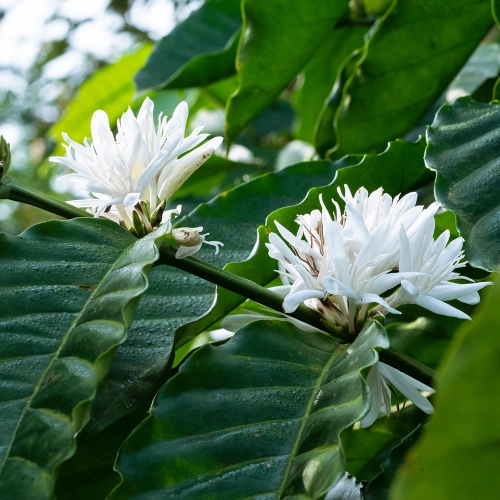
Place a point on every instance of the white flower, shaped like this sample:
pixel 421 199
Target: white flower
pixel 191 240
pixel 341 265
pixel 379 378
pixel 347 264
pixel 133 174
pixel 437 263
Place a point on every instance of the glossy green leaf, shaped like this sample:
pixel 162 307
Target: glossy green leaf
pixel 324 134
pixel 478 76
pixel 410 57
pixel 259 416
pixel 459 452
pixel 400 169
pixel 140 367
pixel 198 51
pixel 465 152
pixel 110 89
pixel 279 38
pixel 320 75
pixel 366 449
pixel 69 290
pixel 216 175
pixel 378 488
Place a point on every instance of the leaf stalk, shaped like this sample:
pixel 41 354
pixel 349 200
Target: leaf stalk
pixel 11 189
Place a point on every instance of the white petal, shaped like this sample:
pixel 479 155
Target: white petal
pixel 108 203
pixel 368 298
pixel 280 245
pixel 89 202
pixel 384 282
pixel 408 387
pixel 358 224
pixel 336 287
pixel 183 252
pixel 215 244
pixel 374 382
pixel 439 307
pixel 404 252
pixel 455 290
pixel 101 131
pixel 181 113
pixel 294 299
pixel 336 250
pixel 131 199
pixel 186 166
pixel 410 289
pixel 282 290
pixel 471 298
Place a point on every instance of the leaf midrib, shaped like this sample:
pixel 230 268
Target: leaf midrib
pixel 334 355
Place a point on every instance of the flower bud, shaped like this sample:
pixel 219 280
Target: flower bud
pixel 188 236
pixel 4 156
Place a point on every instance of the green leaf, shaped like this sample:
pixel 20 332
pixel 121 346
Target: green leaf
pixel 362 446
pixel 279 38
pixel 198 51
pixel 216 175
pixel 410 57
pixel 424 339
pixel 140 367
pixel 110 89
pixel 464 151
pixel 324 134
pixel 378 488
pixel 69 291
pixel 399 169
pixel 89 473
pixel 459 452
pixel 257 416
pixel 320 74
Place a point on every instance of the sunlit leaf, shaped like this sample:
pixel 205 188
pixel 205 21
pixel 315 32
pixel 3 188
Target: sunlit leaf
pixel 279 38
pixel 410 57
pixel 198 51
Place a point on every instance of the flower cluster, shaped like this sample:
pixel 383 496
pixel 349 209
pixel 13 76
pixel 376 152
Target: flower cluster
pixel 133 174
pixel 346 265
pixel 376 255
